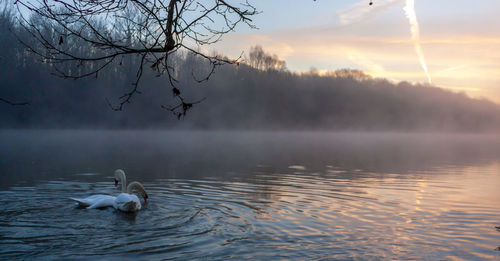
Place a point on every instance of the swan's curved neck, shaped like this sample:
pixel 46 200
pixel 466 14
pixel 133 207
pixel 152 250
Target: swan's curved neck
pixel 136 185
pixel 123 180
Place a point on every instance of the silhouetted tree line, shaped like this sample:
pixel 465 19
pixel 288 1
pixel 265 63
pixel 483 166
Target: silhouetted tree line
pixel 261 60
pixel 258 94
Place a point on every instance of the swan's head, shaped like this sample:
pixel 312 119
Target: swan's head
pixel 119 174
pixel 142 192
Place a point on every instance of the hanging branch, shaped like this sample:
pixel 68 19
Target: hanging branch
pixel 89 34
pixel 14 103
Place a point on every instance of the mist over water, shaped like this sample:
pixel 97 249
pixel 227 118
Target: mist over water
pixel 252 195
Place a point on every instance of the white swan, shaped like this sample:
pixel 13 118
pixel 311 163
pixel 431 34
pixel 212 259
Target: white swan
pixel 96 201
pixel 126 201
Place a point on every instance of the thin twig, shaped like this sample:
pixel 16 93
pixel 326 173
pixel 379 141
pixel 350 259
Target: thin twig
pixel 14 103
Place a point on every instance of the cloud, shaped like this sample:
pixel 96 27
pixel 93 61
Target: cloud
pixel 385 55
pixel 454 68
pixel 368 65
pixel 361 11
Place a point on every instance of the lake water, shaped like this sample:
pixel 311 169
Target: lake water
pixel 252 195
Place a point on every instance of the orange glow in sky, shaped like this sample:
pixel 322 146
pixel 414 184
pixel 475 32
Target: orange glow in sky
pixel 460 40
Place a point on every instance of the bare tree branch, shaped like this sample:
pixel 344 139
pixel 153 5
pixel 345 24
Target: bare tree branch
pixel 86 34
pixel 180 109
pixel 14 103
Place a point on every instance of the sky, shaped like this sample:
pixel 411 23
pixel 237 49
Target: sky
pixel 458 41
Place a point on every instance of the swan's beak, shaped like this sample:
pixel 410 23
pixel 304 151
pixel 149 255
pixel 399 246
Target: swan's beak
pixel 146 199
pixel 116 182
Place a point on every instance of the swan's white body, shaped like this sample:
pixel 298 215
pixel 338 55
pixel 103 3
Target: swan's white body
pixel 125 201
pixel 96 201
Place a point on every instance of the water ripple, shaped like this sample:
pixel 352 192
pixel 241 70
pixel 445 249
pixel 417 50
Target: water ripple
pixel 279 215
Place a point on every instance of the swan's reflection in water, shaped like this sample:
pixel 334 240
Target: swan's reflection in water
pixel 290 215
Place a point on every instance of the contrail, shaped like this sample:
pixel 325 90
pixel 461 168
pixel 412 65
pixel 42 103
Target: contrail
pixel 415 34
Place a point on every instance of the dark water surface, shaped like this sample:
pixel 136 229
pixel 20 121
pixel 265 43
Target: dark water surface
pixel 257 196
